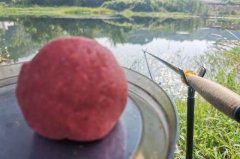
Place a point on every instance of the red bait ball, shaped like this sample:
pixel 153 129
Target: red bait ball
pixel 72 89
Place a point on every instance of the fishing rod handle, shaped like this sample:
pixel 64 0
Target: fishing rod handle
pixel 220 97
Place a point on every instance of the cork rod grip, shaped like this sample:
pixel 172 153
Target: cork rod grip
pixel 220 97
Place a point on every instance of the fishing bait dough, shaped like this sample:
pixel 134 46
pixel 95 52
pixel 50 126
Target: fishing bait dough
pixel 72 89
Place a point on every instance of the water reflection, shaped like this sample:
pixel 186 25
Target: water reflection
pixel 168 49
pixel 20 38
pixel 179 41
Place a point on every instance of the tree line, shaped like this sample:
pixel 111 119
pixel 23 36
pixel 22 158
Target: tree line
pixel 187 6
pixel 89 3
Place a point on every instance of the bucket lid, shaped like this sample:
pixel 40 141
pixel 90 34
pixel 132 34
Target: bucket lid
pixel 148 128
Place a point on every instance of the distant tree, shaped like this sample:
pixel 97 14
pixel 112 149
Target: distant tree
pixel 188 6
pixel 118 6
pixel 90 3
pixel 142 7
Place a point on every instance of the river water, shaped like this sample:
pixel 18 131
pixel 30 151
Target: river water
pixel 182 42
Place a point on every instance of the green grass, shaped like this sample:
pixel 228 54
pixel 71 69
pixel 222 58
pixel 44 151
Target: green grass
pixel 80 11
pixel 175 15
pixel 53 11
pixel 8 11
pixel 215 135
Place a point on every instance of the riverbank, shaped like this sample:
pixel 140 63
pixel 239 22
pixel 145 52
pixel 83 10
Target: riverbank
pixel 84 12
pixel 36 11
pixel 215 135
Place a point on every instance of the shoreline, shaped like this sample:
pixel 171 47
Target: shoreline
pixel 96 13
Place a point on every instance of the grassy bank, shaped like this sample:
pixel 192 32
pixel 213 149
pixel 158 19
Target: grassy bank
pixel 81 11
pixel 8 11
pixel 175 15
pixel 215 135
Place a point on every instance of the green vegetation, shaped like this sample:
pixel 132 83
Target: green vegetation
pixel 53 11
pixel 135 5
pixel 164 6
pixel 156 8
pixel 127 8
pixel 227 75
pixel 110 9
pixel 8 11
pixel 215 135
pixel 86 3
pixel 100 12
pixel 183 6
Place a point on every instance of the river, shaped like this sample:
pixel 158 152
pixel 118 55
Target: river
pixel 179 41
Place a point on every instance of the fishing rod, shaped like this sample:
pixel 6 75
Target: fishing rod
pixel 219 96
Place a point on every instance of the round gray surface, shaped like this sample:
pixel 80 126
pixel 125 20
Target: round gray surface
pixel 18 141
pixel 148 127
